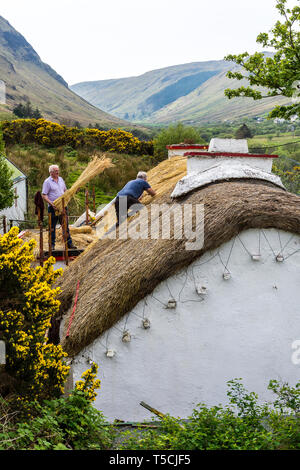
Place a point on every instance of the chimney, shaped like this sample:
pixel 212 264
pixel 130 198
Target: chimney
pixel 231 151
pixel 225 160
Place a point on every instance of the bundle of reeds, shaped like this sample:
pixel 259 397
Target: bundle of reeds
pixel 82 238
pixel 82 229
pixel 95 167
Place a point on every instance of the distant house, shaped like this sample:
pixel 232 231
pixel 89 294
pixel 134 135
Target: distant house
pixel 19 208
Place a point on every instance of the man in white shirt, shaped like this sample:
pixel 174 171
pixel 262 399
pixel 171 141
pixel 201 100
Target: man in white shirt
pixel 54 187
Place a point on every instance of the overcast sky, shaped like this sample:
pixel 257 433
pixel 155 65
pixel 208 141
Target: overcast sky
pixel 101 39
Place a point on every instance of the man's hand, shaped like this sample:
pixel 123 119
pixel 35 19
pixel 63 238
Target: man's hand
pixel 151 192
pixel 45 197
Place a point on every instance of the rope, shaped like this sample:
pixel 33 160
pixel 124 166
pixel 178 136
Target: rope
pixel 73 312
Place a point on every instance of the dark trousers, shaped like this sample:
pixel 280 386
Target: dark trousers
pixel 130 201
pixel 54 220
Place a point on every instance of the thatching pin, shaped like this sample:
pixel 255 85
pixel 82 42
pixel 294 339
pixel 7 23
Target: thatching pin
pixel 226 275
pixel 110 353
pixel 171 303
pixel 201 290
pixel 146 323
pixel 279 258
pixel 126 338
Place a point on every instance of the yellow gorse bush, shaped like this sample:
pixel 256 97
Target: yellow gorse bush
pixel 89 383
pixel 27 302
pixel 51 134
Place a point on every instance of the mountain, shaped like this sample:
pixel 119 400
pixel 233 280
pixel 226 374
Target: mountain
pixel 191 93
pixel 207 103
pixel 28 78
pixel 136 98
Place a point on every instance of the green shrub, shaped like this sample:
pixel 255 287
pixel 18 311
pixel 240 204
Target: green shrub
pixel 59 424
pixel 175 134
pixel 242 425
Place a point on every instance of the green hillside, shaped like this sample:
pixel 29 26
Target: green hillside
pixel 190 93
pixel 136 98
pixel 207 103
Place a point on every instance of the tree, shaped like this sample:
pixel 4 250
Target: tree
pixel 243 132
pixel 26 111
pixel 279 73
pixel 175 134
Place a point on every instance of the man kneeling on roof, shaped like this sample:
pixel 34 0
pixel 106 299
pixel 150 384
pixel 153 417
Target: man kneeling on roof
pixel 53 188
pixel 133 191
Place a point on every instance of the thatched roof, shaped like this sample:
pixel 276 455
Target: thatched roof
pixel 116 274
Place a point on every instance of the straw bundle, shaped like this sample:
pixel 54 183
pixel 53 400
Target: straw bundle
pixel 81 239
pixel 94 168
pixel 82 229
pixel 116 274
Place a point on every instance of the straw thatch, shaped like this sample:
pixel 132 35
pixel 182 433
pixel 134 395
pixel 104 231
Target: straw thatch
pixel 115 275
pixel 161 178
pixel 95 167
pixel 164 177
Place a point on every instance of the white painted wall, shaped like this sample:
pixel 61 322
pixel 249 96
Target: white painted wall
pixel 228 145
pixel 197 163
pixel 243 327
pixel 19 207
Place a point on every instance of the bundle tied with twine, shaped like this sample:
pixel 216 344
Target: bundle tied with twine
pixel 95 167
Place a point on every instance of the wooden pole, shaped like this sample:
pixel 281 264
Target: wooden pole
pixel 64 230
pixel 41 238
pixel 49 234
pixel 153 410
pixel 94 200
pixel 86 207
pixel 4 224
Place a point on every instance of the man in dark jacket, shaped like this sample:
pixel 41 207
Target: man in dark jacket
pixel 133 191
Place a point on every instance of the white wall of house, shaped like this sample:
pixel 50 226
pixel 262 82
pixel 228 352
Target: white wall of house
pixel 244 326
pixel 198 163
pixel 19 208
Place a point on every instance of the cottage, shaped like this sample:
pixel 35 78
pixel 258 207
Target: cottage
pixel 19 208
pixel 169 325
